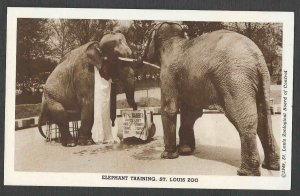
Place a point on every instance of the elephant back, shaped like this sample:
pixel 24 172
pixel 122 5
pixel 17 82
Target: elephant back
pixel 77 53
pixel 64 74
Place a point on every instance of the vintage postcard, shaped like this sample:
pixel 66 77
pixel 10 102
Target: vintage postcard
pixel 149 98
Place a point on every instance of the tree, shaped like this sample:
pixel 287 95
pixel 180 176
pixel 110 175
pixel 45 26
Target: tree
pixel 32 38
pixel 61 39
pixel 195 28
pixel 85 30
pixel 137 35
pixel 32 44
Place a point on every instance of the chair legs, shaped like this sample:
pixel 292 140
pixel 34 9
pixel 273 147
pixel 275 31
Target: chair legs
pixel 53 134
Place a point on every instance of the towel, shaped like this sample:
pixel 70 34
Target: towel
pixel 102 131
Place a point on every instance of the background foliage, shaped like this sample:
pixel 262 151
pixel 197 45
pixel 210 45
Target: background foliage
pixel 41 43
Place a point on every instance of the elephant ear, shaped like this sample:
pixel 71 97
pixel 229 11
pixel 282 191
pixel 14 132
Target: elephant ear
pixel 95 55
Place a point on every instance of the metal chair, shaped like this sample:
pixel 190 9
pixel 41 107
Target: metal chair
pixel 52 131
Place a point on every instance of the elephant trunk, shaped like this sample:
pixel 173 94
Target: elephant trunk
pixel 113 104
pixel 129 91
pixel 128 82
pixel 129 87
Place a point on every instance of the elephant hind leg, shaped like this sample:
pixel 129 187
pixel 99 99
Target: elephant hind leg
pixel 60 116
pixel 66 138
pixel 188 116
pixel 242 112
pixel 265 134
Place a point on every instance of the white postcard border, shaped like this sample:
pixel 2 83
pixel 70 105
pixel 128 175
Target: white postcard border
pixel 12 177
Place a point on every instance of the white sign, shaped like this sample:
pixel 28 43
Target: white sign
pixel 136 123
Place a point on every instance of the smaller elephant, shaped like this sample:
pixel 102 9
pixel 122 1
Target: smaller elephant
pixel 223 68
pixel 70 87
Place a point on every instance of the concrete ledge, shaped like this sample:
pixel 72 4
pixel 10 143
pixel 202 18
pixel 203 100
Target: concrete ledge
pixel 33 121
pixel 26 123
pixel 276 109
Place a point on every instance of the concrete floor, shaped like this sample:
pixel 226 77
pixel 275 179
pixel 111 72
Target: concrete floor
pixel 217 152
pixel 275 91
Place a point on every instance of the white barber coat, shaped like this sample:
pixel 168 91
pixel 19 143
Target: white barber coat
pixel 102 129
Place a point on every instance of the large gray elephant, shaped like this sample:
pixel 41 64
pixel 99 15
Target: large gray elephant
pixel 223 68
pixel 69 89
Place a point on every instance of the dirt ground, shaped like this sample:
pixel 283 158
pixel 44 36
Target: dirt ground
pixel 217 152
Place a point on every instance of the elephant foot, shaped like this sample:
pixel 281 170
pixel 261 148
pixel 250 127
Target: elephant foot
pixel 69 143
pixel 272 163
pixel 169 155
pixel 85 141
pixel 185 149
pixel 248 172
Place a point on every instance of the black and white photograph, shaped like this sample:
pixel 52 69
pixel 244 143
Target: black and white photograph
pixel 149 98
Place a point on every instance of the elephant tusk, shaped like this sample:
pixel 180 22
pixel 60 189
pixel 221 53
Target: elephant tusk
pixel 152 65
pixel 126 59
pixel 134 60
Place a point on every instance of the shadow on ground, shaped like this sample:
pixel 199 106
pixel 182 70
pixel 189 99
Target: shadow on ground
pixel 230 156
pixel 151 150
pixel 125 145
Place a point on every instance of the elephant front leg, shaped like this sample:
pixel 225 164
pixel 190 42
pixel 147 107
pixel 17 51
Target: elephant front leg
pixel 169 117
pixel 87 120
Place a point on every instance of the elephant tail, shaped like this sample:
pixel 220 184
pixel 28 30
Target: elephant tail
pixel 264 93
pixel 41 119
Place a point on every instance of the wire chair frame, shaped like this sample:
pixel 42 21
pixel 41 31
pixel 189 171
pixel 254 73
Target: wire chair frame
pixel 53 134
